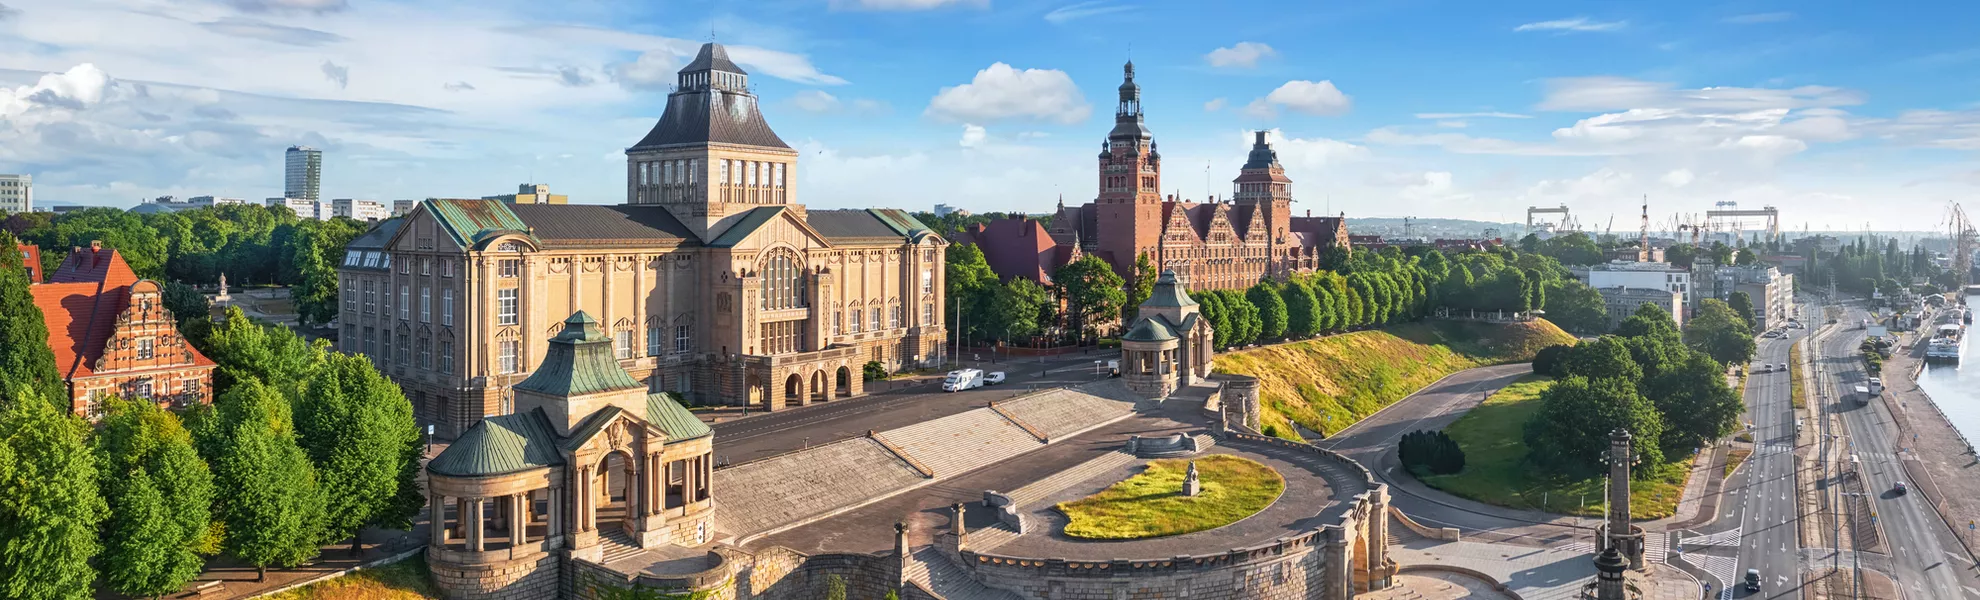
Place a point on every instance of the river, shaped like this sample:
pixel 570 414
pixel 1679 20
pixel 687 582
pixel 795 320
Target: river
pixel 1956 387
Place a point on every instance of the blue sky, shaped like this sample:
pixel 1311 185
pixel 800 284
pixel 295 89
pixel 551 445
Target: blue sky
pixel 1841 114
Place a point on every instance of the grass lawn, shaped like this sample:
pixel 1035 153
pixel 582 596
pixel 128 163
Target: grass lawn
pixel 1151 504
pixel 1492 436
pixel 403 580
pixel 1733 458
pixel 1796 395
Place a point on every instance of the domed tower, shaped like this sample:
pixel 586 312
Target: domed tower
pixel 1130 200
pixel 712 156
pixel 1262 182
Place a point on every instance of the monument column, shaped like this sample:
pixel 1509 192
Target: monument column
pixel 1622 536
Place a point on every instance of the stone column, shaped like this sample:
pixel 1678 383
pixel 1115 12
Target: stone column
pixel 586 498
pixel 1609 568
pixel 960 527
pixel 518 520
pixel 1339 561
pixel 437 519
pixel 901 554
pixel 1378 538
pixel 554 517
pixel 635 496
pixel 708 473
pixel 475 534
pixel 461 517
pixel 689 478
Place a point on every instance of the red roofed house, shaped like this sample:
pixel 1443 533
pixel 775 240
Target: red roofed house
pixel 31 260
pixel 1020 247
pixel 112 335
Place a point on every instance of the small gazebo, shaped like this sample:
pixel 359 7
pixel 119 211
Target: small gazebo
pixel 1168 344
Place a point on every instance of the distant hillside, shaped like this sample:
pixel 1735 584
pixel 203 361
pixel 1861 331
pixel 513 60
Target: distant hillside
pixel 1330 383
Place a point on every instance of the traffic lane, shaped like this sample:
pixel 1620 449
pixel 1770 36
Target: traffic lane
pixel 1768 508
pixel 1432 407
pixel 749 439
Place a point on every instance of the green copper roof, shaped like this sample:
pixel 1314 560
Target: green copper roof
pixel 1168 294
pixel 579 362
pixel 498 445
pixel 902 223
pixel 663 412
pixel 471 222
pixel 1149 329
pixel 741 230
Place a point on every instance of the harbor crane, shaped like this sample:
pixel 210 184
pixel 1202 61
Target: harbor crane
pixel 1565 222
pixel 1727 216
pixel 1961 231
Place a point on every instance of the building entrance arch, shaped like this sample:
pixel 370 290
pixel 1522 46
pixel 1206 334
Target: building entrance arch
pixel 821 389
pixel 794 390
pixel 845 383
pixel 618 498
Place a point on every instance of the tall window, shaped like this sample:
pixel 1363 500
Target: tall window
pixel 928 313
pixel 447 306
pixel 505 356
pixel 876 318
pixel 371 343
pixel 446 268
pixel 683 338
pixel 897 316
pixel 927 281
pixel 144 349
pixel 783 281
pixel 447 356
pixel 425 304
pixel 405 349
pixel 856 319
pixel 425 353
pixel 426 266
pixel 622 343
pixel 724 177
pixel 838 323
pixel 653 340
pixel 507 267
pixel 405 302
pixel 370 296
pixel 780 175
pixel 350 293
pixel 505 306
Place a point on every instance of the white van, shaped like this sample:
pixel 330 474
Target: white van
pixel 962 379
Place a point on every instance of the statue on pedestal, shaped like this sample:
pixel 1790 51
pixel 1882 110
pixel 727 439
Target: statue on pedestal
pixel 1192 485
pixel 222 297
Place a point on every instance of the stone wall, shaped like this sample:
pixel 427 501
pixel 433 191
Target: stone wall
pixel 1293 571
pixel 517 579
pixel 779 573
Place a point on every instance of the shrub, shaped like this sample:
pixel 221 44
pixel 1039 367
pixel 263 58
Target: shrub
pixel 1433 452
pixel 1548 360
pixel 873 370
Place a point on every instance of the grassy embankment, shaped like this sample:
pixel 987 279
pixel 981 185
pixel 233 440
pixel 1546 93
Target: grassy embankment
pixel 1496 472
pixel 1329 383
pixel 403 580
pixel 1151 504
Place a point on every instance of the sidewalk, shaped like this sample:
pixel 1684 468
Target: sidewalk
pixel 1020 369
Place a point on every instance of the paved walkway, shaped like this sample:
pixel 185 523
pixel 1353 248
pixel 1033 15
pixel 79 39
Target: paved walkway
pixel 1555 573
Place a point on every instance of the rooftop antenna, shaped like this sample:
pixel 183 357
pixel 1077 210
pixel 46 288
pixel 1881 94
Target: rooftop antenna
pixel 1208 187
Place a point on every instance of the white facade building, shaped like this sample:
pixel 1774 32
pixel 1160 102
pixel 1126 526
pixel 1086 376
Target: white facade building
pixel 305 209
pixel 1638 275
pixel 17 193
pixel 302 173
pixel 402 208
pixel 362 210
pixel 204 201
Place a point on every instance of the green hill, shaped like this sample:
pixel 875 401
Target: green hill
pixel 1329 383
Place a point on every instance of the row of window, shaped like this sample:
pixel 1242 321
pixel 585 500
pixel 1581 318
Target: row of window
pixel 368 291
pixel 412 352
pixel 858 316
pixel 507 352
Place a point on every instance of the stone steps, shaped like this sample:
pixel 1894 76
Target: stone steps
pixel 1025 496
pixel 618 546
pixel 959 443
pixel 948 581
pixel 1058 413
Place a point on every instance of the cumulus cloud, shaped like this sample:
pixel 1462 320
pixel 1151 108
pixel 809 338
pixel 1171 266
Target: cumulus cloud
pixel 269 32
pixel 1309 97
pixel 297 6
pixel 1573 25
pixel 973 136
pixel 1756 18
pixel 1004 92
pixel 904 4
pixel 815 101
pixel 1472 115
pixel 654 69
pixel 1215 105
pixel 79 88
pixel 339 74
pixel 1081 10
pixel 1243 55
pixel 1678 178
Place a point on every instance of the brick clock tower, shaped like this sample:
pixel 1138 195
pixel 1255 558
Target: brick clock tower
pixel 1130 202
pixel 1263 183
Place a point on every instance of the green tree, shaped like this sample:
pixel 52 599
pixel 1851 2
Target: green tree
pixel 1696 404
pixel 1715 330
pixel 1212 309
pixel 49 502
pixel 1021 308
pixel 969 283
pixel 274 511
pixel 1094 294
pixel 247 350
pixel 1302 309
pixel 1143 286
pixel 1648 320
pixel 1271 310
pixel 122 231
pixel 1576 307
pixel 160 497
pixel 1570 433
pixel 1244 317
pixel 1601 358
pixel 358 429
pixel 27 365
pixel 1742 305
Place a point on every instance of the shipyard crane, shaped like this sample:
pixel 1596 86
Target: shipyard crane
pixel 1961 231
pixel 1563 224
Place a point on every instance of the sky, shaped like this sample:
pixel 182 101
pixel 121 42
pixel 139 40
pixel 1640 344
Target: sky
pixel 1844 115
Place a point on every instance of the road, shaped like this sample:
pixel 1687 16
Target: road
pixel 1922 546
pixel 769 434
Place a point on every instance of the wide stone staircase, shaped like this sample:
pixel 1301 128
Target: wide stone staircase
pixel 959 443
pixel 1058 413
pixel 800 485
pixel 947 581
pixel 618 545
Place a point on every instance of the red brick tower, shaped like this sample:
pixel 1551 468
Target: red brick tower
pixel 1130 203
pixel 1263 183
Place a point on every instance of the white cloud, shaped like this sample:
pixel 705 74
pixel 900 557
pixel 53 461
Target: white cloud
pixel 1215 105
pixel 1453 124
pixel 1081 10
pixel 1756 18
pixel 1622 93
pixel 1602 186
pixel 973 136
pixel 7 12
pixel 308 6
pixel 1576 24
pixel 1306 153
pixel 1243 55
pixel 270 32
pixel 458 86
pixel 653 70
pixel 1678 178
pixel 1473 115
pixel 815 101
pixel 1003 92
pixel 337 73
pixel 1313 98
pixel 904 4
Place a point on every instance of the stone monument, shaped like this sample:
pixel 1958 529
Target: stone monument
pixel 1609 583
pixel 1192 485
pixel 222 297
pixel 1619 535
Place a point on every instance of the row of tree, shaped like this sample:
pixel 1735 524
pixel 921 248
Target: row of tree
pixel 302 447
pixel 251 244
pixel 1671 396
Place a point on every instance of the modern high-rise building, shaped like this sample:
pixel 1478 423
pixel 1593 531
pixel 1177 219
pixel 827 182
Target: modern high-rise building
pixel 17 193
pixel 302 175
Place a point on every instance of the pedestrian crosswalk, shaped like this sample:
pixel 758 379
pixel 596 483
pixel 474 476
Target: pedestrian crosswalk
pixel 1728 537
pixel 1771 448
pixel 1723 568
pixel 1656 546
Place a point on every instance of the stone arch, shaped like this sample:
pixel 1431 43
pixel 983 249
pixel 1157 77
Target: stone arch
pixel 756 391
pixel 794 390
pixel 821 387
pixel 615 480
pixel 843 387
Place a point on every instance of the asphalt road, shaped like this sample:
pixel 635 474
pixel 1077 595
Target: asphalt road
pixel 1923 558
pixel 1761 500
pixel 769 434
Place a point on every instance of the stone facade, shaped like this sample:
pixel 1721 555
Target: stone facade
pixel 714 283
pixel 1168 344
pixel 1216 244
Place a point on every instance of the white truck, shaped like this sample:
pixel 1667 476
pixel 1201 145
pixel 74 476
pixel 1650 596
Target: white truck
pixel 962 379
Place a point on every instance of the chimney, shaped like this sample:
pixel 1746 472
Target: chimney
pixel 95 245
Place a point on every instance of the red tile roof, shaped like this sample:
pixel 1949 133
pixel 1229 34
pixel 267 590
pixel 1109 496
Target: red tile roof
pixel 31 260
pixel 80 303
pixel 1018 247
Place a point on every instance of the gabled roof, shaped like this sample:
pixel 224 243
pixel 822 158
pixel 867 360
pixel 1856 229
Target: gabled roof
pixel 471 222
pixel 583 225
pixel 740 231
pixel 1017 247
pixel 378 236
pixel 500 444
pixel 671 417
pixel 81 303
pixel 851 225
pixel 579 361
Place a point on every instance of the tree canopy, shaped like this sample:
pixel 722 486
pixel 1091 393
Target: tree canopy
pixel 50 505
pixel 160 496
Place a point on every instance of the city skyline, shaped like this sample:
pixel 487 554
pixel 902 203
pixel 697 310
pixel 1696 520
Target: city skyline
pixel 1815 111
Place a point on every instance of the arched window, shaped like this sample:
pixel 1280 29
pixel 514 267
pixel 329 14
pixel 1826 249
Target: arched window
pixel 782 275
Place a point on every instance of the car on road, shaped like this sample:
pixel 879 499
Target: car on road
pixel 1899 489
pixel 1753 580
pixel 994 378
pixel 962 379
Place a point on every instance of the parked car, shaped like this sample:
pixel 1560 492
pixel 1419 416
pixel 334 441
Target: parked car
pixel 962 379
pixel 994 378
